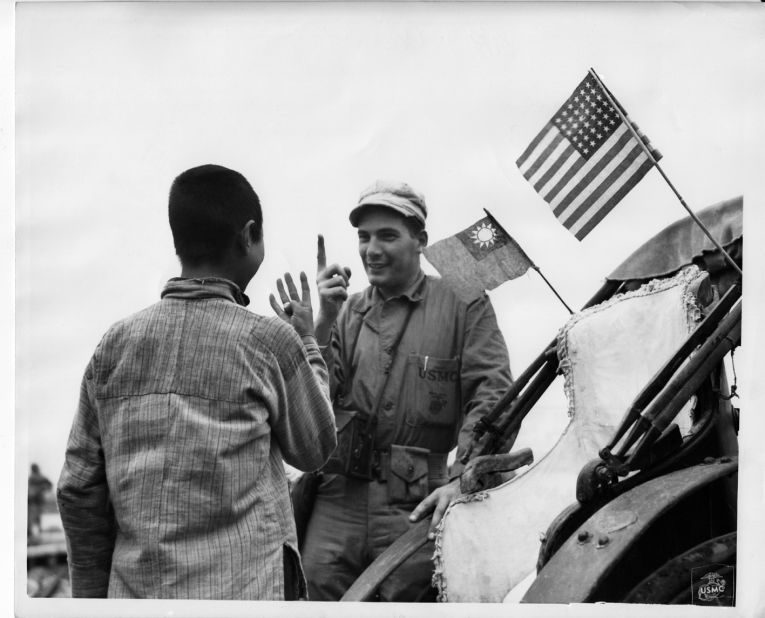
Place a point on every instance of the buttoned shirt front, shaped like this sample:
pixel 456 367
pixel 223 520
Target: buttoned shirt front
pixel 427 364
pixel 173 484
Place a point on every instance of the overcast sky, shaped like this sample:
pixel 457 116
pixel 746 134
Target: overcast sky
pixel 314 102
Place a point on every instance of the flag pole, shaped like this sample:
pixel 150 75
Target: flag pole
pixel 533 265
pixel 622 113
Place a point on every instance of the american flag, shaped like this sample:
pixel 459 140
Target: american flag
pixel 586 159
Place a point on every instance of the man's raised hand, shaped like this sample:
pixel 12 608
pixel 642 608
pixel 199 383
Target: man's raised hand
pixel 332 283
pixel 295 309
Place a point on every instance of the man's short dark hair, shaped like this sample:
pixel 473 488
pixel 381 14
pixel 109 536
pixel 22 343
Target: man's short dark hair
pixel 208 206
pixel 414 225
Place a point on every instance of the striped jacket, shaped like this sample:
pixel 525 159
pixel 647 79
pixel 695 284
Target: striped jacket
pixel 173 484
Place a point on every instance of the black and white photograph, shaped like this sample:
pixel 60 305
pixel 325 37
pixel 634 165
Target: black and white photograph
pixel 394 303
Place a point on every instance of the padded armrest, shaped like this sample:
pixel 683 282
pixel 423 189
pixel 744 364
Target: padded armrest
pixel 482 472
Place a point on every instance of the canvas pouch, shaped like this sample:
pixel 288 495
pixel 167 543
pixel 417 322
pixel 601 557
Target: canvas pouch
pixel 408 478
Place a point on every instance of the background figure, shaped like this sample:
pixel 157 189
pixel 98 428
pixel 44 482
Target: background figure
pixel 39 486
pixel 412 368
pixel 173 484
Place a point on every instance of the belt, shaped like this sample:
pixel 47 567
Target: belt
pixel 380 467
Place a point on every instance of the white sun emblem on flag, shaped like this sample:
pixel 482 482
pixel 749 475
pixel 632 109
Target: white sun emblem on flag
pixel 485 235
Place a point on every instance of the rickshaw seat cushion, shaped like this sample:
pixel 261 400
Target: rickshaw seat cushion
pixel 609 352
pixel 488 542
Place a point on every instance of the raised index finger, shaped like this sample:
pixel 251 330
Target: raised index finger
pixel 321 255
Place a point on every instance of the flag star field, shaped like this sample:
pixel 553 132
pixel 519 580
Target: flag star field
pixel 587 118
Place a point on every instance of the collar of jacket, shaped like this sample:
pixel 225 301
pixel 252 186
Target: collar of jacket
pixel 371 296
pixel 209 287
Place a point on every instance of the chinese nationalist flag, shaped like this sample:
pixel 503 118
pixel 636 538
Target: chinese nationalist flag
pixel 586 158
pixel 478 258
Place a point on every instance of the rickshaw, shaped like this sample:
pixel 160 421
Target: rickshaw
pixel 651 516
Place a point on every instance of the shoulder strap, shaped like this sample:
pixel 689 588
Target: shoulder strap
pixel 394 350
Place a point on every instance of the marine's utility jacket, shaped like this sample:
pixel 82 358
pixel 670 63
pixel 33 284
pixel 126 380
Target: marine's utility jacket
pixel 450 367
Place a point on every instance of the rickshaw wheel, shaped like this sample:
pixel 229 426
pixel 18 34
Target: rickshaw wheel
pixel 677 582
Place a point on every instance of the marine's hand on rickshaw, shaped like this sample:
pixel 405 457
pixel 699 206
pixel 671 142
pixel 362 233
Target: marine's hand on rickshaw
pixel 295 308
pixel 332 284
pixel 437 502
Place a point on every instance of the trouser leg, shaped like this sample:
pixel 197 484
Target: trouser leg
pixel 334 553
pixel 351 525
pixel 412 580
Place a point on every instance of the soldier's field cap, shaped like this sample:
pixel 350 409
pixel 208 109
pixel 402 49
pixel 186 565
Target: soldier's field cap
pixel 397 196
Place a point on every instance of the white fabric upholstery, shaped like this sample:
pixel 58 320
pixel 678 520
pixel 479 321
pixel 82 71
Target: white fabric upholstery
pixel 488 542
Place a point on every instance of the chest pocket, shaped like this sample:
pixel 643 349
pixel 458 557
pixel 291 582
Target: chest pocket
pixel 432 391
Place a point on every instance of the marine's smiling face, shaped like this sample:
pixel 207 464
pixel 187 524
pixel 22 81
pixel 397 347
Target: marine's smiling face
pixel 388 249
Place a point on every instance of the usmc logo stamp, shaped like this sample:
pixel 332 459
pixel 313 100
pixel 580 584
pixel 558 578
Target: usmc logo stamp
pixel 713 584
pixel 713 588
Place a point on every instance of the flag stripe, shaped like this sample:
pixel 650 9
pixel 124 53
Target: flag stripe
pixel 548 134
pixel 591 170
pixel 532 146
pixel 557 169
pixel 597 216
pixel 611 174
pixel 537 158
pixel 573 170
pixel 551 165
pixel 544 158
